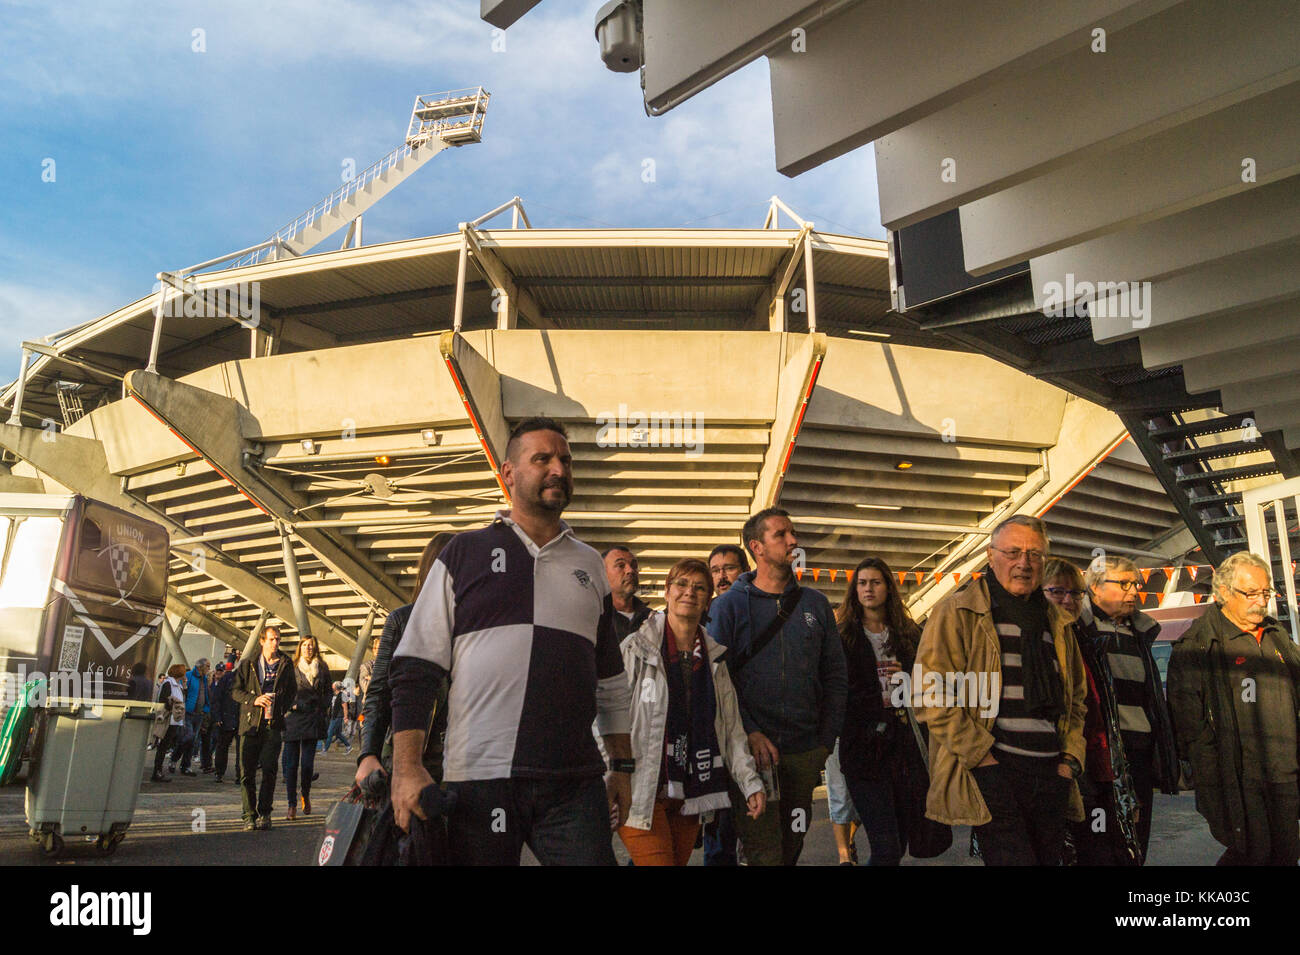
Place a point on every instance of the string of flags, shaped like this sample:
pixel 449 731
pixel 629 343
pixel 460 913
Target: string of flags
pixel 920 576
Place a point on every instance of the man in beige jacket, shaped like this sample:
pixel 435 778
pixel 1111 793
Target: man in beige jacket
pixel 1002 689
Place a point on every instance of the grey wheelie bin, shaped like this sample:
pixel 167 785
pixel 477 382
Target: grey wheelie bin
pixel 86 771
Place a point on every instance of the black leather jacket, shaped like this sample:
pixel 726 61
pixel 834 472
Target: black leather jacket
pixel 378 710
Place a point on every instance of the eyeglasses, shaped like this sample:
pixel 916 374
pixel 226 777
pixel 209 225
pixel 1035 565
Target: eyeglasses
pixel 1125 585
pixel 1063 592
pixel 1013 555
pixel 1265 594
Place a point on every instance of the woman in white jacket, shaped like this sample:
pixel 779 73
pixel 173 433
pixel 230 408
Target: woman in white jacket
pixel 686 730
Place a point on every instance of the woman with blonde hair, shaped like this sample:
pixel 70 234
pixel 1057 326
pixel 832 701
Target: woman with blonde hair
pixel 304 724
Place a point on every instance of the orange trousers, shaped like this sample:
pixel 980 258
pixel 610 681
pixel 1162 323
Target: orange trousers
pixel 670 839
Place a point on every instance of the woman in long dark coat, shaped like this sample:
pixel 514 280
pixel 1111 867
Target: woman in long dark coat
pixel 305 723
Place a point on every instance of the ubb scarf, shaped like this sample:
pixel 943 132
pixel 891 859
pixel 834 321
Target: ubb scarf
pixel 692 759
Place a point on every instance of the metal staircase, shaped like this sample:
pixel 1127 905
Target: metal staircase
pixel 437 121
pixel 1182 455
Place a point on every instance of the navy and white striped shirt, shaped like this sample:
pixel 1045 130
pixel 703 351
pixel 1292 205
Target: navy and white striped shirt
pixel 526 634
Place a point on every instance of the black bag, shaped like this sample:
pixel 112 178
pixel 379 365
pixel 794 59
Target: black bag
pixel 339 844
pixel 926 838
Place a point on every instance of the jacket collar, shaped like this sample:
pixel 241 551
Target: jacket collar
pixel 974 596
pixel 565 531
pixel 646 641
pixel 1090 616
pixel 1221 628
pixel 745 582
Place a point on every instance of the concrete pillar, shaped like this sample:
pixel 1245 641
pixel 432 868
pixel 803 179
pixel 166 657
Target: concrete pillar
pixel 254 637
pixel 363 643
pixel 295 585
pixel 172 641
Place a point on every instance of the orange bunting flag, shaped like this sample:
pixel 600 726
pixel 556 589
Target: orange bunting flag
pixel 920 576
pixel 978 574
pixel 1191 569
pixel 832 572
pixel 798 572
pixel 1146 574
pixel 938 575
pixel 816 572
pixel 1169 572
pixel 1160 597
pixel 956 577
pixel 902 577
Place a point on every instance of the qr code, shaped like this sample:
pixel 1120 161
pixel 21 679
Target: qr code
pixel 70 651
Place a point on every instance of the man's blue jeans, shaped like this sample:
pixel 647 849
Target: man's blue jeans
pixel 335 732
pixel 563 821
pixel 195 721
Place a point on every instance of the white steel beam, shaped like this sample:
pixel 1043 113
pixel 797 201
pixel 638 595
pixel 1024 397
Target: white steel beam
pixel 1274 323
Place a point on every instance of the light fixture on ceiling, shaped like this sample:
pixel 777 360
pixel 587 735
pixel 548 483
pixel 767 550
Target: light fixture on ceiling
pixel 383 460
pixel 867 333
pixel 309 446
pixel 902 465
pixel 881 507
pixel 429 437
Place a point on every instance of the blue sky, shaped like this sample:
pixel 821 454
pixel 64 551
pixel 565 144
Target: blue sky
pixel 164 156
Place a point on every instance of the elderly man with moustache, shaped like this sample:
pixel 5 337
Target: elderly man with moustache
pixel 1010 773
pixel 1115 639
pixel 1233 683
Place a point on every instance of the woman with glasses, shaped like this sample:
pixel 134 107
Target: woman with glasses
pixel 687 737
pixel 1063 586
pixel 1115 640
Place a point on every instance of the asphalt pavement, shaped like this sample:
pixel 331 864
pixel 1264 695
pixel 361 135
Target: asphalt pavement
pixel 196 821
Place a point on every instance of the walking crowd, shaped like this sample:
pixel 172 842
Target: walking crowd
pixel 528 679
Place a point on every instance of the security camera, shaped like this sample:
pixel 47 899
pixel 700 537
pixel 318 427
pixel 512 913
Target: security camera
pixel 618 31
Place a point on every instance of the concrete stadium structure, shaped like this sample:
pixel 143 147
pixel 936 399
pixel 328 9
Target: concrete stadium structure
pixel 368 407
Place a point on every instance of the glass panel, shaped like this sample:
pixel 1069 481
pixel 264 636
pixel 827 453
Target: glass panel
pixel 25 588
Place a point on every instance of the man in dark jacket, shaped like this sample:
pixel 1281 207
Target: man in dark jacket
pixel 791 692
pixel 623 572
pixel 265 688
pixel 1117 638
pixel 1234 680
pixel 225 711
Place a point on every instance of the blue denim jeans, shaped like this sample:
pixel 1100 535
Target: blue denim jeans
pixel 194 722
pixel 298 753
pixel 878 802
pixel 335 732
pixel 720 839
pixel 837 791
pixel 563 821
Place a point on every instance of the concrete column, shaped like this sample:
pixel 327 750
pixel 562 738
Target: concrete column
pixel 363 643
pixel 253 638
pixel 295 585
pixel 172 641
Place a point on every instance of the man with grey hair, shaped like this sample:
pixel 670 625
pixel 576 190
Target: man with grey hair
pixel 1115 639
pixel 1008 769
pixel 1233 684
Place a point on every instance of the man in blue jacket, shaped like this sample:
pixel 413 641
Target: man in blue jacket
pixel 791 687
pixel 197 705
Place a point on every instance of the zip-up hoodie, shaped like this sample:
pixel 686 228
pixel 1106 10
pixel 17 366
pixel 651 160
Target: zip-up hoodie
pixel 793 692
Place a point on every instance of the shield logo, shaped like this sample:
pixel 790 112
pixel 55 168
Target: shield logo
pixel 326 850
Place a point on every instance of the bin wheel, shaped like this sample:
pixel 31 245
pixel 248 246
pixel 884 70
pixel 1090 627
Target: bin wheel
pixel 51 845
pixel 106 845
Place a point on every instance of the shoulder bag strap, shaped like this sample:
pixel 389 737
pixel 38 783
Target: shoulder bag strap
pixel 788 601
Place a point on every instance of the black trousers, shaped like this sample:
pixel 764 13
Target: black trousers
pixel 1029 815
pixel 1272 833
pixel 222 759
pixel 564 822
pixel 259 750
